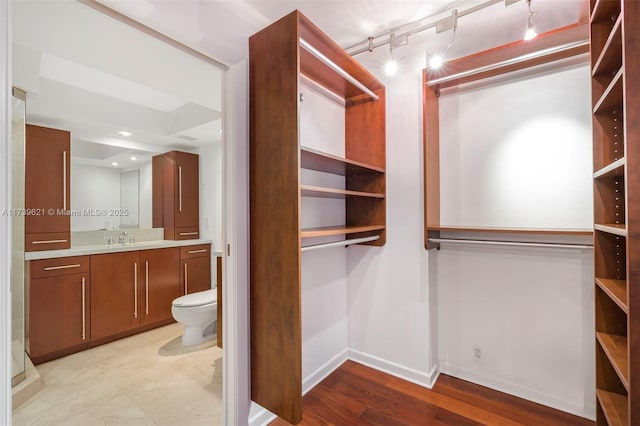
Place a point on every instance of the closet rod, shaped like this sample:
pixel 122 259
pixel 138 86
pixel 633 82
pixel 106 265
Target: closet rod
pixel 510 243
pixel 328 62
pixel 340 243
pixel 323 91
pixel 508 62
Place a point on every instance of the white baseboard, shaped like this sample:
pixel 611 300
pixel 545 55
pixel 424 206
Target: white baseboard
pixel 260 416
pixel 579 409
pixel 321 373
pixel 397 370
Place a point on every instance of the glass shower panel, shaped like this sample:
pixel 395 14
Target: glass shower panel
pixel 17 237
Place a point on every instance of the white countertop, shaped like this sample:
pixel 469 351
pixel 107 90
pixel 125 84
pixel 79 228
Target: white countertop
pixel 114 248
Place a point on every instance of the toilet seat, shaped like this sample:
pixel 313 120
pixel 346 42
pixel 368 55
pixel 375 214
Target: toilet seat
pixel 199 298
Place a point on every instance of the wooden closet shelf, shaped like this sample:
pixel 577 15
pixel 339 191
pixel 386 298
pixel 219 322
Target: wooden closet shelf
pixel 615 347
pixel 320 192
pixel 338 230
pixel 612 97
pixel 312 159
pixel 614 407
pixel 541 231
pixel 610 58
pixel 616 290
pixel 604 10
pixel 612 170
pixel 612 228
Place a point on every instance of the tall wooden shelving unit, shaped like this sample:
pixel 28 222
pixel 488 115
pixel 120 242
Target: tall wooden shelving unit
pixel 279 54
pixel 615 64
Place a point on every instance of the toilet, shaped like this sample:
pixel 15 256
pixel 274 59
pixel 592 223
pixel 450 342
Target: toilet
pixel 197 312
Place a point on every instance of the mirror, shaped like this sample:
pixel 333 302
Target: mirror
pixel 87 76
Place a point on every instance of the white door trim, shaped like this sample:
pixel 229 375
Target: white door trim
pixel 5 220
pixel 235 201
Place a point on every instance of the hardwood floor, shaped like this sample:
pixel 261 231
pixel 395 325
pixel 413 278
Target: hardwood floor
pixel 358 395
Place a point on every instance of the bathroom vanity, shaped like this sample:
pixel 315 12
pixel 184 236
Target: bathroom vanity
pixel 89 295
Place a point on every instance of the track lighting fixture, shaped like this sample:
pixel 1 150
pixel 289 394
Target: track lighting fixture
pixel 391 66
pixel 436 60
pixel 530 33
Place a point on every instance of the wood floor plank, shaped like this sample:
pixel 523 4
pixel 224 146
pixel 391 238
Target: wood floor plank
pixel 358 395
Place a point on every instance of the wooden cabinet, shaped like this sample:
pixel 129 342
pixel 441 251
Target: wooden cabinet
pixel 276 160
pixel 132 289
pixel 115 290
pixel 47 193
pixel 219 299
pixel 195 268
pixel 615 64
pixel 58 311
pixel 176 195
pixel 159 284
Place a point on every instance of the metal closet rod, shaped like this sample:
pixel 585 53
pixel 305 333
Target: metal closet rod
pixel 423 27
pixel 328 62
pixel 527 57
pixel 340 243
pixel 510 243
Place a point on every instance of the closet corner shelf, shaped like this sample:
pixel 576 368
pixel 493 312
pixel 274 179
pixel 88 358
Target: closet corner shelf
pixel 612 96
pixel 615 347
pixel 338 230
pixel 612 228
pixel 616 290
pixel 612 170
pixel 321 192
pixel 610 58
pixel 312 159
pixel 614 407
pixel 604 10
pixel 542 231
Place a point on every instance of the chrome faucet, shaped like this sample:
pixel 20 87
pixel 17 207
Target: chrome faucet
pixel 108 239
pixel 121 237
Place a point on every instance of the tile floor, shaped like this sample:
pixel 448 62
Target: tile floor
pixel 147 379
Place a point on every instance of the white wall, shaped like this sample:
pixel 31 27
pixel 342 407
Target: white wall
pixel 324 271
pixel 145 201
pixel 129 191
pixel 530 311
pixel 94 188
pixel 211 193
pixel 389 296
pixel 517 153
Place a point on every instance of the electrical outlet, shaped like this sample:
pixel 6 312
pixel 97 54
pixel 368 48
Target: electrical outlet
pixel 478 353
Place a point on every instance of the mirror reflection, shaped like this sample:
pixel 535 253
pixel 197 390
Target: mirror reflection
pixel 120 107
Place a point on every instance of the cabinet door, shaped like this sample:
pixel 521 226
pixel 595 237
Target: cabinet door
pixel 187 206
pixel 115 282
pixel 47 184
pixel 195 275
pixel 160 283
pixel 58 313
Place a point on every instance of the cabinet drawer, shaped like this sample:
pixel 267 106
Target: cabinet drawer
pixel 47 241
pixel 61 266
pixel 200 250
pixel 191 233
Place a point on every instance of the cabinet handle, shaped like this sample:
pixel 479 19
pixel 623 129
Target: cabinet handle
pixel 180 188
pixel 186 279
pixel 64 180
pixel 196 251
pixel 84 325
pixel 135 290
pixel 188 233
pixel 146 286
pixel 54 268
pixel 48 241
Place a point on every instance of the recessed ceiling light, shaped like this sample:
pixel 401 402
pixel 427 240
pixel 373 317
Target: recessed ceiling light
pixel 133 158
pixel 125 133
pixel 114 164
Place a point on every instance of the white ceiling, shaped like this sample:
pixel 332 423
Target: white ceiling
pixel 94 75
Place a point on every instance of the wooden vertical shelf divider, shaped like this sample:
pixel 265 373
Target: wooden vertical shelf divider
pixel 615 60
pixel 278 56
